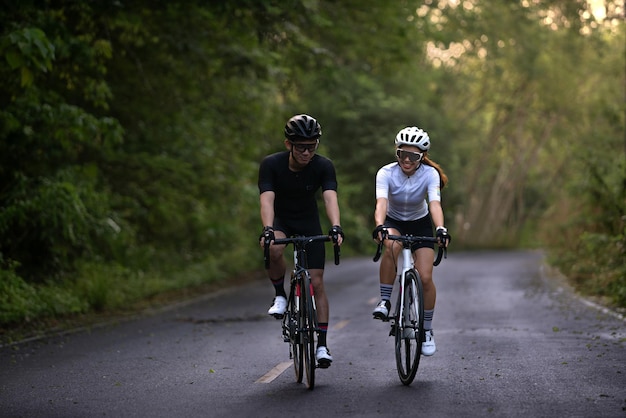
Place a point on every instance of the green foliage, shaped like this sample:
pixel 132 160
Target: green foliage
pixel 53 207
pixel 130 134
pixel 30 51
pixel 21 302
pixel 18 300
pixel 590 245
pixel 585 226
pixel 57 218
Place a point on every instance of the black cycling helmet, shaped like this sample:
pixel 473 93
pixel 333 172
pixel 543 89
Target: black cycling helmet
pixel 302 127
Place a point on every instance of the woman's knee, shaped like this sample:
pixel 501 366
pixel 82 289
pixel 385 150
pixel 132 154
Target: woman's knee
pixel 427 282
pixel 392 250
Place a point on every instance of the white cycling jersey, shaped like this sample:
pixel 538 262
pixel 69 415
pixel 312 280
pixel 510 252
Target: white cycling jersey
pixel 407 195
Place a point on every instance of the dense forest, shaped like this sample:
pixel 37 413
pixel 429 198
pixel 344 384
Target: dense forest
pixel 131 133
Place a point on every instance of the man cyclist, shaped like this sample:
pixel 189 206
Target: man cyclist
pixel 288 182
pixel 408 201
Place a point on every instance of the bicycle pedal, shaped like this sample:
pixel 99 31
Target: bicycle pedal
pixel 380 316
pixel 323 364
pixel 278 316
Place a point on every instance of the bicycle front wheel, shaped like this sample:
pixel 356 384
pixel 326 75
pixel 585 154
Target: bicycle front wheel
pixel 295 340
pixel 308 332
pixel 409 327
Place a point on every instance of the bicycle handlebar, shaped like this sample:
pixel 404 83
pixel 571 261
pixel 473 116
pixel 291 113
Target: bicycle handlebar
pixel 408 240
pixel 298 241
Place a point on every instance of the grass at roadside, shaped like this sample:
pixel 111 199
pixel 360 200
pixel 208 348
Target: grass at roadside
pixel 59 324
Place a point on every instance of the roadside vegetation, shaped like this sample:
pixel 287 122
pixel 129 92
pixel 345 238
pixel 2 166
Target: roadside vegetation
pixel 131 132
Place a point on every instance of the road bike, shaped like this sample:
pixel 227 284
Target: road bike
pixel 407 323
pixel 300 325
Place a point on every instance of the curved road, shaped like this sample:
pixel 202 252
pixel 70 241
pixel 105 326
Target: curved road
pixel 511 342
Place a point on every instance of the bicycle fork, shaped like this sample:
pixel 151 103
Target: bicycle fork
pixel 401 317
pixel 290 323
pixel 291 330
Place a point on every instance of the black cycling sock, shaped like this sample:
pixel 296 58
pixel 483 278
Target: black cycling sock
pixel 279 286
pixel 321 335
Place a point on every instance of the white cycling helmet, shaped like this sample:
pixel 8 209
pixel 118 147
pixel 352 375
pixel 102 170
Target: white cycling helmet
pixel 413 136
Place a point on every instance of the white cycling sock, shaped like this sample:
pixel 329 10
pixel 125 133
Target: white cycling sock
pixel 385 291
pixel 428 319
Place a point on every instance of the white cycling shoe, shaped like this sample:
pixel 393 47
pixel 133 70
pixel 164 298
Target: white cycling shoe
pixel 428 346
pixel 382 310
pixel 278 308
pixel 323 357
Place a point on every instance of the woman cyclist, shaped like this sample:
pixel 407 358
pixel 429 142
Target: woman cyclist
pixel 408 201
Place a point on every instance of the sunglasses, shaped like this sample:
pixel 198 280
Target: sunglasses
pixel 304 147
pixel 413 156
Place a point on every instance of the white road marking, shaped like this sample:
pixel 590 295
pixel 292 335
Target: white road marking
pixel 603 309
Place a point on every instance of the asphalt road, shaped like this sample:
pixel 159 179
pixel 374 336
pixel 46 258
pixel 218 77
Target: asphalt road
pixel 511 342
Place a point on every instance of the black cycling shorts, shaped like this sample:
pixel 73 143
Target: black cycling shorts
pixel 316 251
pixel 422 227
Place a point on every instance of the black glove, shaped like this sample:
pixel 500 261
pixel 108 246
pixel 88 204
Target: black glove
pixel 267 234
pixel 380 229
pixel 443 236
pixel 334 233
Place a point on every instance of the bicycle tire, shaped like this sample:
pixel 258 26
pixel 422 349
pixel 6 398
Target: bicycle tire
pixel 308 332
pixel 295 341
pixel 409 327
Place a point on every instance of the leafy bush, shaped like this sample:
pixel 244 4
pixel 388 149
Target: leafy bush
pixel 18 300
pixel 588 244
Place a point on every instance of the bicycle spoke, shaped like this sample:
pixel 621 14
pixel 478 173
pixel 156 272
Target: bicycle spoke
pixel 409 329
pixel 308 333
pixel 295 340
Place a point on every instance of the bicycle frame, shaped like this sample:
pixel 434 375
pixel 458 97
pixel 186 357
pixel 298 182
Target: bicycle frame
pixel 301 276
pixel 407 264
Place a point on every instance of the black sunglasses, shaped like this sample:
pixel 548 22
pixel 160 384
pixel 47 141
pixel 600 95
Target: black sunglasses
pixel 413 156
pixel 304 147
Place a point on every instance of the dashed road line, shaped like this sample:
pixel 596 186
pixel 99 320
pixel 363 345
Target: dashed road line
pixel 341 324
pixel 274 373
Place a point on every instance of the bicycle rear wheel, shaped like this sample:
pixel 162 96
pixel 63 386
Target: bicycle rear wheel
pixel 308 332
pixel 409 327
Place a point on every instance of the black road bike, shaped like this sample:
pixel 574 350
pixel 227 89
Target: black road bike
pixel 300 325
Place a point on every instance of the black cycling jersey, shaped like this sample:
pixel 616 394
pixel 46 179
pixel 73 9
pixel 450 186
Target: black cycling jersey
pixel 295 190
